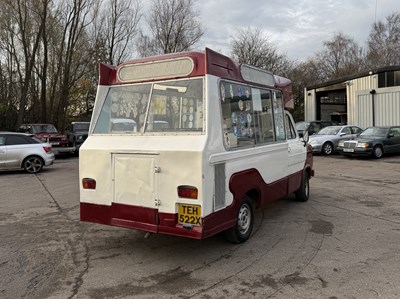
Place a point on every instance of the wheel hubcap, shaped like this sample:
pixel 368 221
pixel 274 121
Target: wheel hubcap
pixel 244 219
pixel 378 152
pixel 33 165
pixel 328 149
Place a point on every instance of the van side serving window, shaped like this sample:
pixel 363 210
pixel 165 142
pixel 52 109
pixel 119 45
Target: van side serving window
pixel 251 116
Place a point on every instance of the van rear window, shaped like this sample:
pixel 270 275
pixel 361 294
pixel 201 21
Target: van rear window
pixel 164 106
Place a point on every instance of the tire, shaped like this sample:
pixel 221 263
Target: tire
pixel 76 151
pixel 303 193
pixel 327 148
pixel 377 152
pixel 244 223
pixel 33 164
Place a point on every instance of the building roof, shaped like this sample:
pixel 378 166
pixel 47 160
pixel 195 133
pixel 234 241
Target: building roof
pixel 354 76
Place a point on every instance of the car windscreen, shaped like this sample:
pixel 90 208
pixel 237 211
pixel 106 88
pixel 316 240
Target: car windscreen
pixel 301 126
pixel 81 127
pixel 36 129
pixel 332 130
pixel 374 132
pixel 164 106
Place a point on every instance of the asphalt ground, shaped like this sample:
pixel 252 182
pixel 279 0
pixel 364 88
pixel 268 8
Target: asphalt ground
pixel 342 243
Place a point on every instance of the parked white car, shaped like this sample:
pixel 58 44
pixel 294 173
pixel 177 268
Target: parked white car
pixel 19 150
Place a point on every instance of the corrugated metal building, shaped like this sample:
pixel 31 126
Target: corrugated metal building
pixel 366 99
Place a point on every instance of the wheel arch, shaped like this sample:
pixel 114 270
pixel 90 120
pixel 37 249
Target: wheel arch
pixel 31 156
pixel 255 197
pixel 249 187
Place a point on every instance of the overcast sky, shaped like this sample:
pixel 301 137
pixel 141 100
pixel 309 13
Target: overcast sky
pixel 298 27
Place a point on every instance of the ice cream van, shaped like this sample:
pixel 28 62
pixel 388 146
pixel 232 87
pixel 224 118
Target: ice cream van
pixel 190 144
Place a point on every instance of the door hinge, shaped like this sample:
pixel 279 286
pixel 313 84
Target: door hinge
pixel 157 202
pixel 157 169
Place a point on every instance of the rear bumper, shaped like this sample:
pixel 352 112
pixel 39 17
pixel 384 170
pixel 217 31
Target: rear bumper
pixel 59 150
pixel 49 159
pixel 150 220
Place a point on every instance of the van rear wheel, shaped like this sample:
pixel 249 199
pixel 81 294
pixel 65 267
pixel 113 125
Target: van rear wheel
pixel 244 223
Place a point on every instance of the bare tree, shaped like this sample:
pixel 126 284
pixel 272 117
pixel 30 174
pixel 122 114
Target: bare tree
pixel 119 25
pixel 43 62
pixel 22 26
pixel 146 46
pixel 341 56
pixel 252 46
pixel 174 25
pixel 75 17
pixel 384 42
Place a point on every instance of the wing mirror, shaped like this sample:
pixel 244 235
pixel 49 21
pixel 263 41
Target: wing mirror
pixel 305 137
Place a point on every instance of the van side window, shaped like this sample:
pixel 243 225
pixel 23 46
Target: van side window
pixel 237 115
pixel 251 116
pixel 290 131
pixel 264 123
pixel 279 115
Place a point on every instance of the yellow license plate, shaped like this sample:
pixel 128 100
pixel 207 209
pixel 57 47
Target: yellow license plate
pixel 189 214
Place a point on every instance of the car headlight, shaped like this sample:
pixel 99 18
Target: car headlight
pixel 79 137
pixel 313 141
pixel 64 138
pixel 341 144
pixel 43 139
pixel 363 144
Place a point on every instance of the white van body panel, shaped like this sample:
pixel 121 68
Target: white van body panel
pixel 137 173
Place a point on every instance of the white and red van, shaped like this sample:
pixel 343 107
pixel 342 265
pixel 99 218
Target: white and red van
pixel 189 144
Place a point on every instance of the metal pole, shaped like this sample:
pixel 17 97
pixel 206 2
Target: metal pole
pixel 373 92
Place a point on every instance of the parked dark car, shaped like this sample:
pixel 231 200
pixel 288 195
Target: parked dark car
pixel 313 126
pixel 373 141
pixel 19 150
pixel 327 139
pixel 77 134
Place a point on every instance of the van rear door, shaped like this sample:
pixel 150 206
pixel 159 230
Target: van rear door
pixel 134 184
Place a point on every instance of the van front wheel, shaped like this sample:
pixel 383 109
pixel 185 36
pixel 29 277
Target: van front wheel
pixel 244 223
pixel 304 192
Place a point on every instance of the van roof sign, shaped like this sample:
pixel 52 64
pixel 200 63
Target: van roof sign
pixel 256 75
pixel 161 69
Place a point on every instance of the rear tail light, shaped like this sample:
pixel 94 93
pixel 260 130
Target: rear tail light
pixel 88 183
pixel 47 149
pixel 188 192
